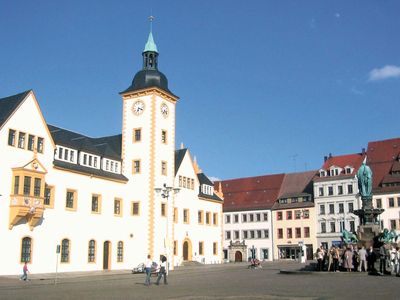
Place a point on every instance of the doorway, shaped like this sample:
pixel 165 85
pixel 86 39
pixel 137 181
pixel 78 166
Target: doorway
pixel 238 256
pixel 187 250
pixel 106 255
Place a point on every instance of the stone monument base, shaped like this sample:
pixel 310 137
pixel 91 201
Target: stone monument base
pixel 368 216
pixel 366 234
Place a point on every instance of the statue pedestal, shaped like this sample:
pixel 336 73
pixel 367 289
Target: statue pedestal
pixel 369 216
pixel 366 234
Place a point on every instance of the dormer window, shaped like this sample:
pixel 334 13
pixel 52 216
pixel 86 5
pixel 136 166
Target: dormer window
pixel 348 169
pixel 322 173
pixel 65 154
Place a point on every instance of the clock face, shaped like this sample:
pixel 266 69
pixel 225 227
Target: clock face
pixel 138 107
pixel 164 110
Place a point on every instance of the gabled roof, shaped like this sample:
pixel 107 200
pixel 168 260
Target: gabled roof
pixel 179 155
pixel 203 179
pixel 383 160
pixel 342 161
pixel 296 185
pixel 9 104
pixel 109 146
pixel 250 193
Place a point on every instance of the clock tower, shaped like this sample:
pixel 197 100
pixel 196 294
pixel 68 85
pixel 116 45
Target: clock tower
pixel 148 152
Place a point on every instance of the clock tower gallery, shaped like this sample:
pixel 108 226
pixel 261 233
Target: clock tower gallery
pixel 148 147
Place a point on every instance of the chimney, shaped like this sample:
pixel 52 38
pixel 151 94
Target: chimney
pixel 325 158
pixel 363 151
pixel 330 155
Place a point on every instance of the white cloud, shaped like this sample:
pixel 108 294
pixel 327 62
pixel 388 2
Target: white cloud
pixel 337 15
pixel 388 71
pixel 214 179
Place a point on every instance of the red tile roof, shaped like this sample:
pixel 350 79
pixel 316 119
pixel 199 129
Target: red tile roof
pixel 250 193
pixel 342 161
pixel 297 183
pixel 382 159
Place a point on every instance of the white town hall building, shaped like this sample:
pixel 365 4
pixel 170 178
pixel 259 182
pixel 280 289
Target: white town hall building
pixel 98 200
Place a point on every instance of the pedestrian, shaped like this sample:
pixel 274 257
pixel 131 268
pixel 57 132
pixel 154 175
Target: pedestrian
pixel 356 258
pixel 348 259
pixel 371 258
pixel 25 271
pixel 335 258
pixel 393 255
pixel 382 259
pixel 330 258
pixel 148 264
pixel 362 254
pixel 320 257
pixel 397 262
pixel 163 270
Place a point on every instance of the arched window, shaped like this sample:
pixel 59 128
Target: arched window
pixel 26 249
pixel 92 251
pixel 120 251
pixel 65 250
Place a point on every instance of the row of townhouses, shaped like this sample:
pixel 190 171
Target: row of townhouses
pixel 280 216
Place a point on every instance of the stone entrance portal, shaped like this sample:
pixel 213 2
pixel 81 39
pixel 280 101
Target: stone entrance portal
pixel 237 251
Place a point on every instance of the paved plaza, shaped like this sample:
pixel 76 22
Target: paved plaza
pixel 228 281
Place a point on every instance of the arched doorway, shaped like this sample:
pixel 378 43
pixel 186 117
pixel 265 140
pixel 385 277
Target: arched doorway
pixel 238 256
pixel 187 250
pixel 106 255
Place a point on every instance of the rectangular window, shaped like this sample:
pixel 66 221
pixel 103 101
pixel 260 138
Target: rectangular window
pixel 49 196
pixel 95 203
pixel 117 207
pixel 16 185
pixel 266 233
pixel 244 218
pixel 36 187
pixel 289 233
pixel 175 215
pixel 391 202
pixel 215 248
pixel 306 214
pixel 279 215
pixel 393 224
pixel 137 135
pixel 201 248
pixel 40 145
pixel 85 160
pixel 208 218
pixel 321 191
pixel 192 184
pixel 60 153
pixel 94 160
pixel 215 219
pixel 27 185
pixel 251 217
pixel 341 208
pixel 227 235
pixel 330 190
pixel 236 218
pixel 307 232
pixel 289 215
pixel 331 209
pixel 175 247
pixel 258 217
pixel 297 214
pixel 244 233
pixel 298 232
pixel 340 190
pixel 227 219
pixel 91 159
pixel 180 181
pixel 322 209
pixel 135 208
pixel 163 136
pixel 21 140
pixel 163 209
pixel 323 227
pixel 398 201
pixel 11 137
pixel 184 182
pixel 186 216
pixel 70 202
pixel 333 226
pixel 236 234
pixel 136 167
pixel 351 207
pixel 280 233
pixel 252 234
pixel 378 203
pixel 352 226
pixel 164 168
pixel 31 142
pixel 66 154
pixel 350 189
pixel 200 217
pixel 265 216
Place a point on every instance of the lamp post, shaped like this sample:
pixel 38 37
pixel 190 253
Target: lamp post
pixel 301 244
pixel 165 192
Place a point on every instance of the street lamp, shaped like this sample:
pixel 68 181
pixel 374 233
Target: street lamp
pixel 302 245
pixel 165 192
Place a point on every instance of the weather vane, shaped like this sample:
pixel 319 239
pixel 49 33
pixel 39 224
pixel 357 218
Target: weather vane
pixel 151 18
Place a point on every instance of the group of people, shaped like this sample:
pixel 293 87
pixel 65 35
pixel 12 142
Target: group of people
pixel 350 258
pixel 162 272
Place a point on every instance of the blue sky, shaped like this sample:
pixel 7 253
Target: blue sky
pixel 265 86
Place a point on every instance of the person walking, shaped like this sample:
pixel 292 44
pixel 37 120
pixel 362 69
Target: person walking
pixel 148 264
pixel 382 259
pixel 348 259
pixel 163 271
pixel 397 262
pixel 371 258
pixel 362 254
pixel 25 271
pixel 335 258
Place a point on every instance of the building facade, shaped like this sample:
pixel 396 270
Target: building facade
pixel 336 197
pixel 91 203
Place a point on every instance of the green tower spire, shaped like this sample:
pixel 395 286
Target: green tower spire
pixel 150 45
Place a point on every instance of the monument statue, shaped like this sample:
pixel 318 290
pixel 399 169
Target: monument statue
pixel 349 237
pixel 364 176
pixel 388 236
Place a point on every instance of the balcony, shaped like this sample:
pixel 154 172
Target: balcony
pixel 25 208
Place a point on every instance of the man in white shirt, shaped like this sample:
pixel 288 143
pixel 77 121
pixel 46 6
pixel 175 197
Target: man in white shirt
pixel 148 264
pixel 363 259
